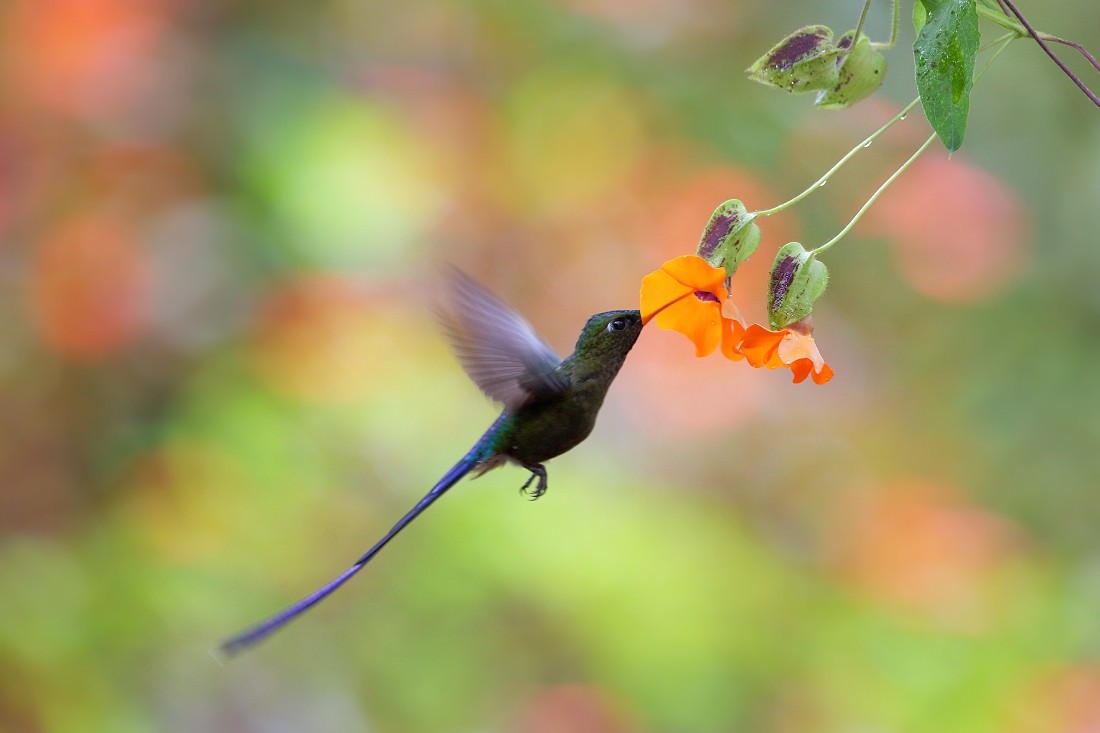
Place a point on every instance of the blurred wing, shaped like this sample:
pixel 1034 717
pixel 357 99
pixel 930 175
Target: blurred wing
pixel 496 346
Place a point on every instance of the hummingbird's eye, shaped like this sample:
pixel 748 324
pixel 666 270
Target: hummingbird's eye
pixel 619 324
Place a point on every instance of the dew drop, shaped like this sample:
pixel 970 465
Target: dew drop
pixel 868 143
pixel 822 184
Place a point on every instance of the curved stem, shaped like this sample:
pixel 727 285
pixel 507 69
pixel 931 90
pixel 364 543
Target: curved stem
pixel 1073 44
pixel 1054 57
pixel 862 18
pixel 1001 19
pixel 886 184
pixel 840 163
pixel 893 31
pixel 855 34
pixel 1004 41
pixel 1010 36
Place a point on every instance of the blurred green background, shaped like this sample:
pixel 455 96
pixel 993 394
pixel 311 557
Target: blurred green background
pixel 222 227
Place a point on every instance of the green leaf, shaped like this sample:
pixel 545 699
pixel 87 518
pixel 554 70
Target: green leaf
pixel 945 51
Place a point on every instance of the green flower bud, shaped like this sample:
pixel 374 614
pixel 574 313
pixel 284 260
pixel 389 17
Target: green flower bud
pixel 798 279
pixel 861 72
pixel 729 237
pixel 802 62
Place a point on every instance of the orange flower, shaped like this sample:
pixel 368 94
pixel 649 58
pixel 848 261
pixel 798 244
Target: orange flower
pixel 687 295
pixel 733 331
pixel 792 347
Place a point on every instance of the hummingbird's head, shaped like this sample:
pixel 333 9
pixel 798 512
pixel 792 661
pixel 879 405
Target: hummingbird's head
pixel 609 336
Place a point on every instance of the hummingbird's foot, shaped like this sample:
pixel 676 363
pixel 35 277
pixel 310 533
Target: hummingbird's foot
pixel 538 471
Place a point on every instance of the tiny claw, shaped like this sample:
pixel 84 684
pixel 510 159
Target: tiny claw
pixel 537 472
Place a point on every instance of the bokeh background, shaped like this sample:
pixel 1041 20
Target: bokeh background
pixel 222 229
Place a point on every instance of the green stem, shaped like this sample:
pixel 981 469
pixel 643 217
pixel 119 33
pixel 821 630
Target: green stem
pixel 1000 16
pixel 862 18
pixel 1004 41
pixel 893 31
pixel 995 15
pixel 855 34
pixel 1074 45
pixel 886 184
pixel 1050 52
pixel 840 163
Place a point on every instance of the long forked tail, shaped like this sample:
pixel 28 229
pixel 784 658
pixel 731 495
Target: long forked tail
pixel 263 629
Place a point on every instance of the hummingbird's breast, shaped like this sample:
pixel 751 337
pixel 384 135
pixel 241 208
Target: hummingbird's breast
pixel 542 431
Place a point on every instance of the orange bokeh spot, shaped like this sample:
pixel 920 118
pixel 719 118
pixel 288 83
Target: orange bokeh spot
pixel 1063 699
pixel 80 56
pixel 920 546
pixel 959 234
pixel 573 709
pixel 314 340
pixel 89 287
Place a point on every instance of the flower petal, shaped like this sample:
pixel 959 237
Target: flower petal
pixel 799 351
pixel 732 334
pixel 760 346
pixel 789 347
pixel 801 369
pixel 678 277
pixel 687 295
pixel 659 289
pixel 701 321
pixel 696 273
pixel 824 375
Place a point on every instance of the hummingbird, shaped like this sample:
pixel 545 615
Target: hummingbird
pixel 550 406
